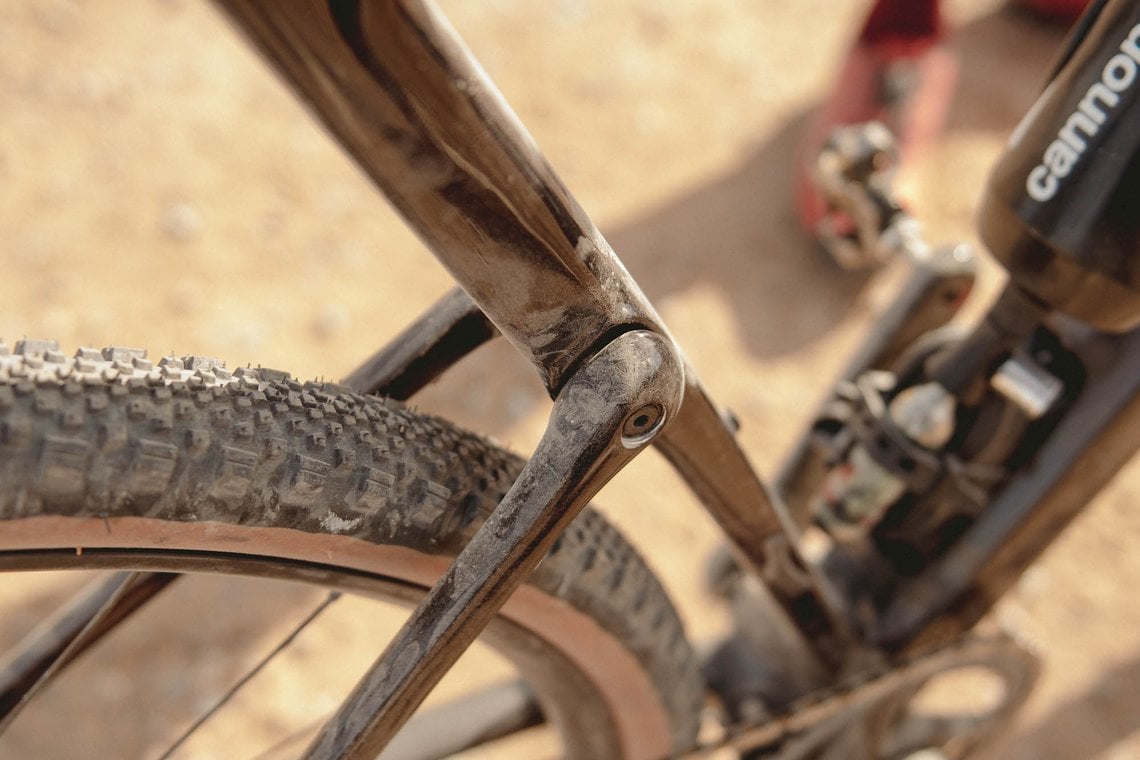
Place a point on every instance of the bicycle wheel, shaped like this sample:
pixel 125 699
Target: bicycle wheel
pixel 110 461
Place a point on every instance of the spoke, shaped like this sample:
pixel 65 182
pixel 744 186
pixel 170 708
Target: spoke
pixel 464 723
pixel 611 408
pixel 73 629
pixel 241 682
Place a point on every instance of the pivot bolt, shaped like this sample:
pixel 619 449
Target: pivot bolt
pixel 641 426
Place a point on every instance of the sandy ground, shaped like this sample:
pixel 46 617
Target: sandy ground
pixel 158 188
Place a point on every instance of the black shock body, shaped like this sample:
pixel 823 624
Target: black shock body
pixel 1062 206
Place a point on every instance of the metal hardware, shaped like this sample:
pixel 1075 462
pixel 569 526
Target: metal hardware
pixel 865 225
pixel 893 443
pixel 1096 437
pixel 891 448
pixel 936 285
pixel 1012 318
pixel 642 426
pixel 1026 384
pixel 583 447
pixel 925 413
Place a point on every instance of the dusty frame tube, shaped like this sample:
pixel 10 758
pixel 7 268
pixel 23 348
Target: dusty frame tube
pixel 397 88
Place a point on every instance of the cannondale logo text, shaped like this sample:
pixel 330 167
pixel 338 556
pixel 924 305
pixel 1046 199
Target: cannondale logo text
pixel 1092 113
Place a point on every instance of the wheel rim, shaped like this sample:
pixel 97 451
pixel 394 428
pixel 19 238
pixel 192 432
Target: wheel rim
pixel 588 685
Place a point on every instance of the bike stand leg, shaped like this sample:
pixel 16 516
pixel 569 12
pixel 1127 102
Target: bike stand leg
pixel 610 409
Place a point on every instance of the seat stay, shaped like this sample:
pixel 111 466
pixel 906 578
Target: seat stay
pixel 397 88
pixel 611 409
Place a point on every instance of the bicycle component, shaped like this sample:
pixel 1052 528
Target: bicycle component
pixel 490 207
pixel 1025 383
pixel 864 225
pixel 109 461
pixel 406 99
pixel 181 465
pixel 1010 320
pixel 894 449
pixel 765 665
pixel 72 630
pixel 937 283
pixel 935 287
pixel 884 713
pixel 1089 444
pixel 331 598
pixel 610 409
pixel 1060 210
pixel 909 459
pixel 449 330
pixel 888 437
pixel 897 72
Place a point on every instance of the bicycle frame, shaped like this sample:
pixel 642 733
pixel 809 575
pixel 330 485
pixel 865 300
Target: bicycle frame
pixel 406 99
pixel 402 94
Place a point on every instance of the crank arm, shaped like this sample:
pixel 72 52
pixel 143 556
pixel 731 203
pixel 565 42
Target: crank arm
pixel 449 330
pixel 853 701
pixel 611 408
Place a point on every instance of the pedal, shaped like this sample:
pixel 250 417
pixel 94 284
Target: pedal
pixel 864 225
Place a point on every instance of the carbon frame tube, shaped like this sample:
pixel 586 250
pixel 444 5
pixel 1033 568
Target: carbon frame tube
pixel 397 88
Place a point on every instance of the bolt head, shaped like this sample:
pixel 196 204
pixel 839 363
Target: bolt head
pixel 642 425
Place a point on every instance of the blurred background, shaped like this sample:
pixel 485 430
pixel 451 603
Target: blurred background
pixel 159 188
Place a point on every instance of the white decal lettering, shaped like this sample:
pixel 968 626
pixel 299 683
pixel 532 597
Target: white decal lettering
pixel 1064 153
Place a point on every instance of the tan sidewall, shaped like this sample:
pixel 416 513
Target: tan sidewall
pixel 642 723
